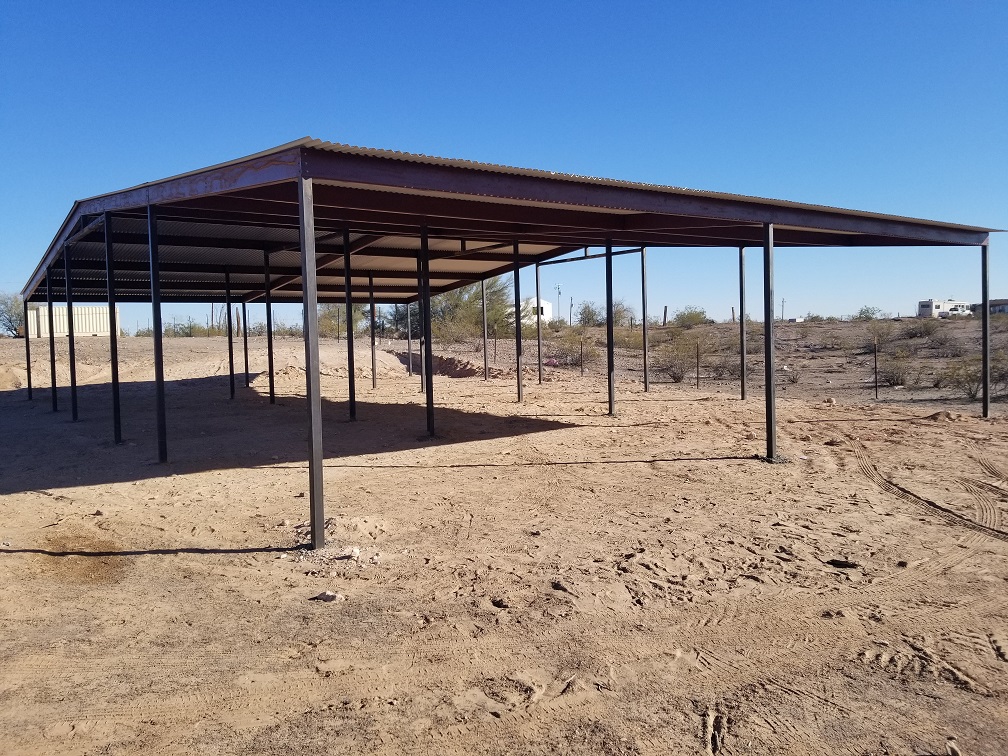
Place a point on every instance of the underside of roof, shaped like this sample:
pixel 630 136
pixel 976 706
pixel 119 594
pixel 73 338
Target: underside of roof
pixel 228 220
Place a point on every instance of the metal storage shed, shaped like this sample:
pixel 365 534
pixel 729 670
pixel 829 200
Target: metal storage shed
pixel 312 221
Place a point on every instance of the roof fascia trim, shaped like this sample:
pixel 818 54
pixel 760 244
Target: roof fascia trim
pixel 425 177
pixel 258 170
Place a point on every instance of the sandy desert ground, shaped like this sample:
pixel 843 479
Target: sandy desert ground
pixel 539 578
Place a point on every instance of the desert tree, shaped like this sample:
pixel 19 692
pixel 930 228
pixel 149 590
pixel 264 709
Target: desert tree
pixel 11 314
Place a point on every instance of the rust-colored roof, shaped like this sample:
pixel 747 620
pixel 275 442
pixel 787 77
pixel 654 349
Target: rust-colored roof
pixel 225 217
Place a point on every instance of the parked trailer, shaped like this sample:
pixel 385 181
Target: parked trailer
pixel 942 308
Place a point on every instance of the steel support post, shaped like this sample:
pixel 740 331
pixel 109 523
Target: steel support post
pixel 347 286
pixel 610 336
pixel 374 355
pixel 518 320
pixel 71 340
pixel 538 324
pixel 768 343
pixel 27 348
pixel 230 327
pixel 113 329
pixel 428 347
pixel 985 324
pixel 420 314
pixel 644 323
pixel 312 381
pixel 742 321
pixel 486 356
pixel 245 342
pixel 269 325
pixel 52 338
pixel 155 285
pixel 409 341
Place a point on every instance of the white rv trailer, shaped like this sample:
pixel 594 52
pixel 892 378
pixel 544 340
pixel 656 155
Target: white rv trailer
pixel 941 308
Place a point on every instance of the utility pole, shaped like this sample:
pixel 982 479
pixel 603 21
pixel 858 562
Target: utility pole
pixel 571 316
pixel 557 287
pixel 782 309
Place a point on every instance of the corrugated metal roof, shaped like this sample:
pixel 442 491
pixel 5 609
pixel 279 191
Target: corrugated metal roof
pixel 207 224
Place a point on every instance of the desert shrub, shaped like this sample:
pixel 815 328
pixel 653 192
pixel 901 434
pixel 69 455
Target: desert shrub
pixel 920 328
pixel 676 359
pixel 557 324
pixel 894 370
pixel 729 365
pixel 793 375
pixel 566 349
pixel 690 317
pixel 147 331
pixel 881 331
pixel 945 345
pixel 627 338
pixel 458 332
pixel 867 313
pixel 965 375
pixel 589 314
pixel 814 318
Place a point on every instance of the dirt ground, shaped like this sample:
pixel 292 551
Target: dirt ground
pixel 539 578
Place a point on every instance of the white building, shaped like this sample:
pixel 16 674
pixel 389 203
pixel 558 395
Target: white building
pixel 89 320
pixel 529 311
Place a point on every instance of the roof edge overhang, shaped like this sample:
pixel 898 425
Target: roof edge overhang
pixel 419 174
pixel 273 166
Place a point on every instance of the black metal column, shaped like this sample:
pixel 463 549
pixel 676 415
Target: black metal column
pixel 420 314
pixel 610 336
pixel 312 381
pixel 985 324
pixel 409 341
pixel 374 356
pixel 52 338
pixel 428 365
pixel 269 325
pixel 518 321
pixel 768 343
pixel 71 341
pixel 742 320
pixel 230 327
pixel 245 341
pixel 155 276
pixel 27 348
pixel 538 325
pixel 113 329
pixel 644 323
pixel 486 356
pixel 347 285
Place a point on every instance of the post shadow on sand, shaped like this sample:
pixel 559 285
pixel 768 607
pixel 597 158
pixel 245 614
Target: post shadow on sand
pixel 207 431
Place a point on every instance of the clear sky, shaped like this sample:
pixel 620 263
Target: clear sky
pixel 895 107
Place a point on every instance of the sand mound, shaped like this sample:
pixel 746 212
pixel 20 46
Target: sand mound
pixel 9 379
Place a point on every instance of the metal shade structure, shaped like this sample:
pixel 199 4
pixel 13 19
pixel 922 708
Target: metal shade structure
pixel 312 221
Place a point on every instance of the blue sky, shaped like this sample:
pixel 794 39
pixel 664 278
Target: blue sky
pixel 896 107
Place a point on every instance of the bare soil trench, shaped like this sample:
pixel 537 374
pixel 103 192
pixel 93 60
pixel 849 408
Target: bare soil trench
pixel 539 578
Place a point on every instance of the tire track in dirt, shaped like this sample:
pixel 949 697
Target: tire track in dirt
pixel 988 513
pixel 989 467
pixel 949 516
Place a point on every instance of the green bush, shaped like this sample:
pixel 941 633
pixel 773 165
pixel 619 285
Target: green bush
pixel 921 328
pixel 690 317
pixel 965 375
pixel 567 348
pixel 867 313
pixel 881 331
pixel 676 359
